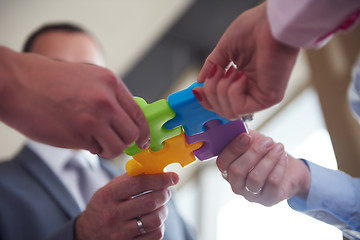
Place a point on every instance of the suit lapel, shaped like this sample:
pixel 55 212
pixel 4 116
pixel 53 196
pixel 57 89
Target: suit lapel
pixel 49 181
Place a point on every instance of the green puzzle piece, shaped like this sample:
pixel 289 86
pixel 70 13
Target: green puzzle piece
pixel 156 113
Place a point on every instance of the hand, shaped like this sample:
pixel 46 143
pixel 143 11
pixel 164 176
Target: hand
pixel 261 171
pixel 79 106
pixel 113 210
pixel 263 68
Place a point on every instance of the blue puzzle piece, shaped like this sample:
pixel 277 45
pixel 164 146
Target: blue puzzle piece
pixel 189 112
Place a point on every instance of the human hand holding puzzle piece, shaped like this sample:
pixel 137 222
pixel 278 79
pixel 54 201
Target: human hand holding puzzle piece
pixel 205 133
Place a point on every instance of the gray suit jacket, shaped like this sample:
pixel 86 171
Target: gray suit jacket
pixel 34 203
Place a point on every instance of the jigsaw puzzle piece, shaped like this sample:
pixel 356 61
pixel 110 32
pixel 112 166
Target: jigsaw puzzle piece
pixel 176 150
pixel 216 137
pixel 156 113
pixel 189 112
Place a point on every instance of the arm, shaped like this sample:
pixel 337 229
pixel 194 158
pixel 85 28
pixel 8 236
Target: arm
pixel 69 105
pixel 310 23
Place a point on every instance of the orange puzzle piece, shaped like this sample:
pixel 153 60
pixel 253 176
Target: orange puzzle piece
pixel 176 150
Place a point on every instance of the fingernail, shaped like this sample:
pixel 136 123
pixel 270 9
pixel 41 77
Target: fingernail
pixel 268 142
pixel 229 71
pixel 174 179
pixel 244 140
pixel 278 147
pixel 285 158
pixel 212 71
pixel 197 95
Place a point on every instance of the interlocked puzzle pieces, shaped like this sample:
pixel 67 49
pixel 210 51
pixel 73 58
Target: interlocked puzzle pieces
pixel 206 133
pixel 176 149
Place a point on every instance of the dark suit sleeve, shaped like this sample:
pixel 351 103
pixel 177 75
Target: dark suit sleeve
pixel 66 232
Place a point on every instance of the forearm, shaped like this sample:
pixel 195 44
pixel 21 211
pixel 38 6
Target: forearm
pixel 305 23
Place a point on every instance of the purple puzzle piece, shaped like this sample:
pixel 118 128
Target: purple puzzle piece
pixel 216 137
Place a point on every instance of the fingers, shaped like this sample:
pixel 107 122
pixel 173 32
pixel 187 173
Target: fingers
pixel 115 119
pixel 216 57
pixel 124 187
pixel 200 96
pixel 94 146
pixel 117 206
pixel 143 204
pixel 273 190
pixel 154 222
pixel 141 133
pixel 158 234
pixel 235 149
pixel 111 143
pixel 210 88
pixel 226 94
pixel 152 225
pixel 267 170
pixel 238 170
pixel 205 70
pixel 223 94
pixel 118 134
pixel 257 171
pixel 240 96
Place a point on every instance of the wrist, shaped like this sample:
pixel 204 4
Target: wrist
pixel 305 179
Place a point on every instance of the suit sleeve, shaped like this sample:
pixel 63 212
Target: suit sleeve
pixel 310 23
pixel 66 232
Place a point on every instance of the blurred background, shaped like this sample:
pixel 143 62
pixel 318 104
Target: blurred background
pixel 157 47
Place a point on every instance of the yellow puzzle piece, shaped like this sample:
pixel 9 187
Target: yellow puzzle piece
pixel 176 150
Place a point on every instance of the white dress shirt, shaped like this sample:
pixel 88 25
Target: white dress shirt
pixel 56 158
